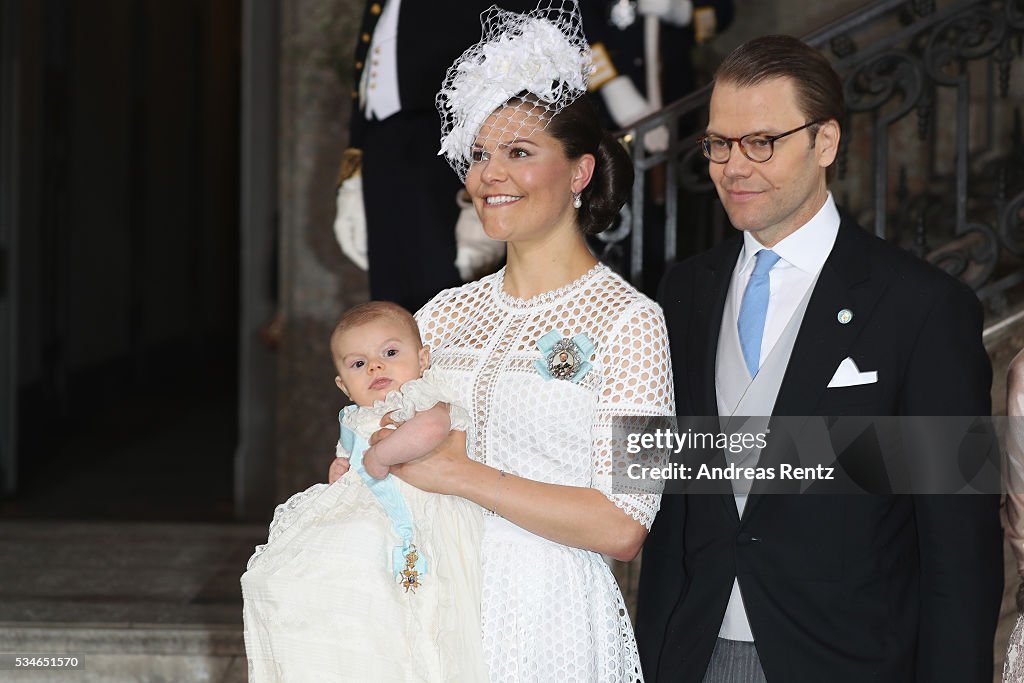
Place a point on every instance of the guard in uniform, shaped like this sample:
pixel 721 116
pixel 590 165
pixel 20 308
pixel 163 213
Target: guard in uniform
pixel 616 28
pixel 409 193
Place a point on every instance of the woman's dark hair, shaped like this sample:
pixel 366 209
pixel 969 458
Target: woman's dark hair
pixel 579 131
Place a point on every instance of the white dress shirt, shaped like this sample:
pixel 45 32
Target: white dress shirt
pixel 378 86
pixel 802 255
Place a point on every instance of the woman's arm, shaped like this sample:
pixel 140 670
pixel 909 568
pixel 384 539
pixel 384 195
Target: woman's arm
pixel 638 381
pixel 570 515
pixel 414 438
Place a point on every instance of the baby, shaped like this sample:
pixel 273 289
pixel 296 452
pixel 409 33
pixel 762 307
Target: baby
pixel 377 349
pixel 366 577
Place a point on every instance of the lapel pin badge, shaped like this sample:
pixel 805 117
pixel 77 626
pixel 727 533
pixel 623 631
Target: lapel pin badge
pixel 845 316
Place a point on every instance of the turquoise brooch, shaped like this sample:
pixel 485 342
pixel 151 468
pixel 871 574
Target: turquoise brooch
pixel 564 357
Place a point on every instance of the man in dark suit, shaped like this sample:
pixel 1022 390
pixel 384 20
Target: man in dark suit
pixel 812 588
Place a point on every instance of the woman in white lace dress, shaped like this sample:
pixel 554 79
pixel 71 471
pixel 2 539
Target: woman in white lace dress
pixel 1013 667
pixel 542 175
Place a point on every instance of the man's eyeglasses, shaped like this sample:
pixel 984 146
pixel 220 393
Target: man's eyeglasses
pixel 755 146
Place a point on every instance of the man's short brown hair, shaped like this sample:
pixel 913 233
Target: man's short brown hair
pixel 819 90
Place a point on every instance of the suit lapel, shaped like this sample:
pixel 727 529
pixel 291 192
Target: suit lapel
pixel 712 288
pixel 846 282
pixel 711 291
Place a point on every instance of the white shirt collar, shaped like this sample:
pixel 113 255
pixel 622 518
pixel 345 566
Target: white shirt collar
pixel 378 86
pixel 807 247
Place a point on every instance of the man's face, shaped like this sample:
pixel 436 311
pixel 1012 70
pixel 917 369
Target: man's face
pixel 774 198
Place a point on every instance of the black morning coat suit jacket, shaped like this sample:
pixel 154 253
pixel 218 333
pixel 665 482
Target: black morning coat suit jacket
pixel 836 588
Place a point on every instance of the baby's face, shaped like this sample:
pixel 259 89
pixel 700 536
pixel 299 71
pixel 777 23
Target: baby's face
pixel 375 358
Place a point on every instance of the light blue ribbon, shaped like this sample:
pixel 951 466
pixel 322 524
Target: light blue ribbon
pixel 388 495
pixel 582 343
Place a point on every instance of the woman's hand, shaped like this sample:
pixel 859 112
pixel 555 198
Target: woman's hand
pixel 442 470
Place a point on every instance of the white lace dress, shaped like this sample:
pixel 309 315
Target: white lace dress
pixel 552 612
pixel 321 600
pixel 1013 665
pixel 1013 511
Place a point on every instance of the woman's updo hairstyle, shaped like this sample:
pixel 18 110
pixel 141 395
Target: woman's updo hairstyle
pixel 578 130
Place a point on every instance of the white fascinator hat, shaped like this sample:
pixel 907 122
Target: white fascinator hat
pixel 541 54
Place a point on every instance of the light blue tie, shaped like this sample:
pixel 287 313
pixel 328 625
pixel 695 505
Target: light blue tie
pixel 754 309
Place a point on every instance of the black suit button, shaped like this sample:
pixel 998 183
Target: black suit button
pixel 745 538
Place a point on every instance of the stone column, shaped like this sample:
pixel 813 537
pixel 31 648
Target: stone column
pixel 316 281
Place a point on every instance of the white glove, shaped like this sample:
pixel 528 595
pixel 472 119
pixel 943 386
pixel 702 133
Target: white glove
pixel 476 254
pixel 676 12
pixel 350 221
pixel 626 105
pixel 658 8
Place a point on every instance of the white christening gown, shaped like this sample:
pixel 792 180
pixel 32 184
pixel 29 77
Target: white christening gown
pixel 552 612
pixel 322 602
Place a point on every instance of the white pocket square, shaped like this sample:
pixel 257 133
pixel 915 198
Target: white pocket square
pixel 848 375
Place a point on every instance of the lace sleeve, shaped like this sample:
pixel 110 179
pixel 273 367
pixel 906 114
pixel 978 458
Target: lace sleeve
pixel 435 320
pixel 637 381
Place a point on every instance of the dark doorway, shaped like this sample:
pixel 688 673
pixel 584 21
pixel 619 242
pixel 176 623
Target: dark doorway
pixel 128 259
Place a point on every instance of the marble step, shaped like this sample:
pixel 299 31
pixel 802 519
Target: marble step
pixel 127 653
pixel 137 603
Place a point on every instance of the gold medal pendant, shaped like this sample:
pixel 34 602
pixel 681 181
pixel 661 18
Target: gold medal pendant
pixel 410 577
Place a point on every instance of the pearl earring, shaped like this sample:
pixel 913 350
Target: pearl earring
pixel 577 202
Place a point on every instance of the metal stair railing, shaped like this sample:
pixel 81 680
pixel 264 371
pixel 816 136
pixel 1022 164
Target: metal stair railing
pixel 931 157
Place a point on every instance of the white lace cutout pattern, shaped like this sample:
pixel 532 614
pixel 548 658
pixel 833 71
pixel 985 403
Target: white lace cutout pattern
pixel 484 341
pixel 567 622
pixel 1013 665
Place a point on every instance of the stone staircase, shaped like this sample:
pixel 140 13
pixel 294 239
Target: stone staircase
pixel 136 603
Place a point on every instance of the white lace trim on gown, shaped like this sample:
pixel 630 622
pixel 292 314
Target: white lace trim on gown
pixel 320 599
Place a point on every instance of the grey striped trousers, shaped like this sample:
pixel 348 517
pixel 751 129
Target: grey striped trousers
pixel 734 661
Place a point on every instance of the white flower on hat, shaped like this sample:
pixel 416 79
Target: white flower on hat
pixel 543 52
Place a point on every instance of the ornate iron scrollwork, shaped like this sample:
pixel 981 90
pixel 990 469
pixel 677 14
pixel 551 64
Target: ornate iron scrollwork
pixel 873 84
pixel 1015 14
pixel 971 34
pixel 971 256
pixel 923 8
pixel 843 46
pixel 1011 225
